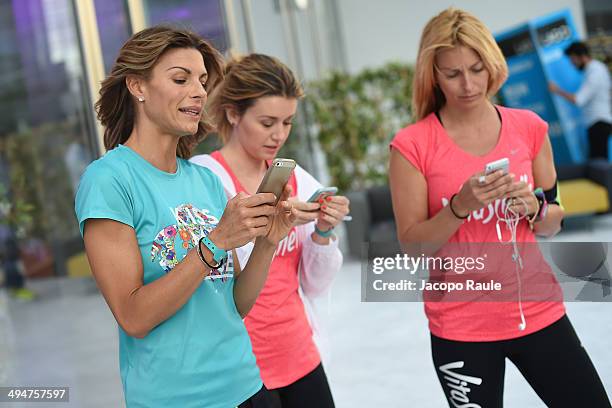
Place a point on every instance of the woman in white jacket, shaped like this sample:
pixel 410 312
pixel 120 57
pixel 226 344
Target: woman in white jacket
pixel 253 110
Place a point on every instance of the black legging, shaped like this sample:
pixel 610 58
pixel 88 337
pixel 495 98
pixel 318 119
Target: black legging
pixel 552 360
pixel 310 391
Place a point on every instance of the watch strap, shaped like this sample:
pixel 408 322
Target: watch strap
pixel 219 255
pixel 324 234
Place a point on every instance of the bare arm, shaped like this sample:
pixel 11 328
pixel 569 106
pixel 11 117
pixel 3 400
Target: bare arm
pixel 253 277
pixel 409 196
pixel 545 176
pixel 116 264
pixel 138 308
pixel 566 95
pixel 237 266
pixel 585 93
pixel 250 282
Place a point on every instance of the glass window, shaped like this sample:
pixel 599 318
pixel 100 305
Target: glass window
pixel 46 137
pixel 205 17
pixel 114 28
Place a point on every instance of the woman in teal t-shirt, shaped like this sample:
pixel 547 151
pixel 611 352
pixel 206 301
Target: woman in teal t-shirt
pixel 160 235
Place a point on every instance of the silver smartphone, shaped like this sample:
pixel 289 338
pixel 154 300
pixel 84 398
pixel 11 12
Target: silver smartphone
pixel 322 193
pixel 501 164
pixel 277 177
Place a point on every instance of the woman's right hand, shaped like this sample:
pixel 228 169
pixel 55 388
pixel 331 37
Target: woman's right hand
pixel 306 212
pixel 244 219
pixel 480 190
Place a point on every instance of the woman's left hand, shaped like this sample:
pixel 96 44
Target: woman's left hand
pixel 521 191
pixel 283 220
pixel 332 212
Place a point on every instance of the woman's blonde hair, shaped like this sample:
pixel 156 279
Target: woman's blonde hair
pixel 451 28
pixel 246 80
pixel 138 56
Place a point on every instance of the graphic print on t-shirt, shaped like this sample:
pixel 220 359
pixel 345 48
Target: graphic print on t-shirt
pixel 172 243
pixel 288 245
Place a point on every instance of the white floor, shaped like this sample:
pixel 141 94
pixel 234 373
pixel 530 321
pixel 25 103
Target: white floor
pixel 380 351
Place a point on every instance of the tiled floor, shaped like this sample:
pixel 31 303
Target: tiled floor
pixel 380 355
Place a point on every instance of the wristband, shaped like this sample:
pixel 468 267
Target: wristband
pixel 203 259
pixel 541 196
pixel 219 255
pixel 324 234
pixel 450 204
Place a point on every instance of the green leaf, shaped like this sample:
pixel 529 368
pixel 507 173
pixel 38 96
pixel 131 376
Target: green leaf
pixel 354 119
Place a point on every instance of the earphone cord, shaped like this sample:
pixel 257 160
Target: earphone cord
pixel 512 218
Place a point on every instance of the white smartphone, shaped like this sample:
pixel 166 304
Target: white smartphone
pixel 322 193
pixel 501 164
pixel 277 177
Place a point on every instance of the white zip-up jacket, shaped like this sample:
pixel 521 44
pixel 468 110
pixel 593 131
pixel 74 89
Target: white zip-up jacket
pixel 318 265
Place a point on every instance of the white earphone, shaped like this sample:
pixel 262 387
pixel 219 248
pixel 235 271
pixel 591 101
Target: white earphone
pixel 512 218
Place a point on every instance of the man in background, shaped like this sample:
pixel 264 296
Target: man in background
pixel 593 97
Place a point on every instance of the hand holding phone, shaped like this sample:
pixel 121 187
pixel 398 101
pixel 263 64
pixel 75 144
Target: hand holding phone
pixel 501 164
pixel 309 211
pixel 492 167
pixel 486 189
pixel 322 193
pixel 276 177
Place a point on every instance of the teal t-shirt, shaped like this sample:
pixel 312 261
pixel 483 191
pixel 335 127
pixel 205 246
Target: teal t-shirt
pixel 201 356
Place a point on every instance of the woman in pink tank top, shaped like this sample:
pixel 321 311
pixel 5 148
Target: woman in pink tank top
pixel 254 108
pixel 441 195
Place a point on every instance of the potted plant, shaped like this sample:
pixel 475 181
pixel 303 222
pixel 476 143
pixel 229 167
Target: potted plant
pixel 353 118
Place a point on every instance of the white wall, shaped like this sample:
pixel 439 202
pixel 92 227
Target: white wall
pixel 379 31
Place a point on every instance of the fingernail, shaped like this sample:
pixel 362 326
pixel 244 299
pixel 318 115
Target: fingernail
pixel 328 198
pixel 320 201
pixel 323 207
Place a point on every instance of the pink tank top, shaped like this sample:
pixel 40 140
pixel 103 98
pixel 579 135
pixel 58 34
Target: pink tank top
pixel 445 166
pixel 277 324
